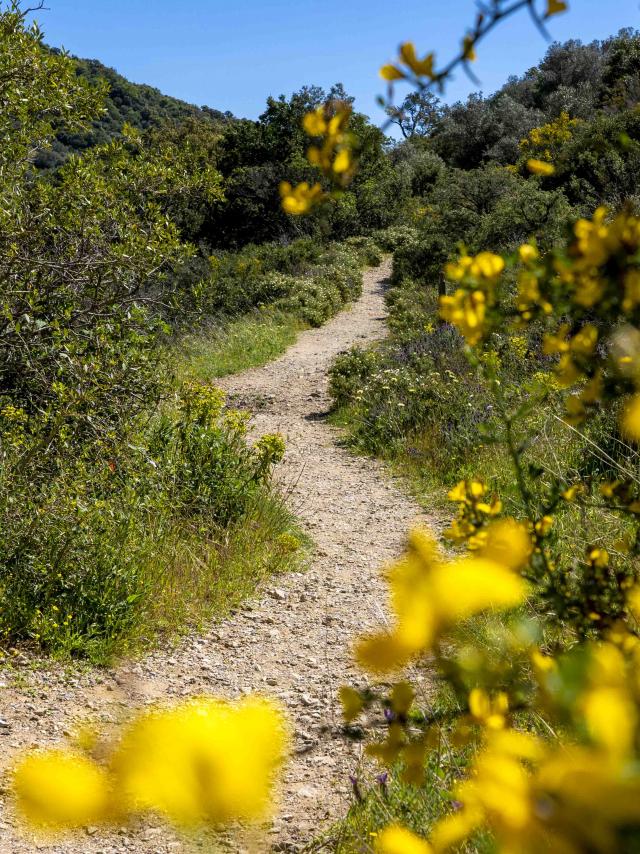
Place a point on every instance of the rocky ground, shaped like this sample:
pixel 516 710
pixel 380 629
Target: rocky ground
pixel 293 643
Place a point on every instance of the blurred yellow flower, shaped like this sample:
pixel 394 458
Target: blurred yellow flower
pixel 611 719
pixel 352 703
pixel 468 49
pixel 466 311
pixel 391 72
pixel 528 252
pixel 429 594
pixel 396 839
pixel 203 761
pixel 556 6
pixel 299 200
pixel 420 67
pixel 487 265
pixel 342 163
pixel 315 123
pixel 540 167
pixel 630 419
pixel 490 712
pixel 61 789
pixel 508 543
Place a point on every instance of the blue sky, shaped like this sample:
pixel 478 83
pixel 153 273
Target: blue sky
pixel 231 55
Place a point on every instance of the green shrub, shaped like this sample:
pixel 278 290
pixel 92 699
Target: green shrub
pixel 78 551
pixel 400 392
pixel 394 237
pixel 367 248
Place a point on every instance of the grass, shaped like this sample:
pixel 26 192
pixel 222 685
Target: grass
pixel 208 571
pixel 245 342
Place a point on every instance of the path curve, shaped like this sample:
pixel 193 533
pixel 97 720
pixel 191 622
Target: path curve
pixel 293 644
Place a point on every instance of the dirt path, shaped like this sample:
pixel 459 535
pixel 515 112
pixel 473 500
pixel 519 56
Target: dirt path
pixel 295 642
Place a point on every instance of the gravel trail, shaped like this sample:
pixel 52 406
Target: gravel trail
pixel 293 643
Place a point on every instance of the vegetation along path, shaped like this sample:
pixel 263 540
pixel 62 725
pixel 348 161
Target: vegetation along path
pixel 295 643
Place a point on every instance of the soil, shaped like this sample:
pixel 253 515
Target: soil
pixel 294 642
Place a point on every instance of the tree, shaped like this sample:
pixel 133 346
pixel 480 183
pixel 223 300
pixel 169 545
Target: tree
pixel 417 115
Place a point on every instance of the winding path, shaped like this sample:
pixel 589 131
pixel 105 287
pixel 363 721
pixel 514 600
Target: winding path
pixel 294 643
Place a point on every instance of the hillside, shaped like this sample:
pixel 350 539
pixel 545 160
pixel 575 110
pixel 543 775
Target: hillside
pixel 141 106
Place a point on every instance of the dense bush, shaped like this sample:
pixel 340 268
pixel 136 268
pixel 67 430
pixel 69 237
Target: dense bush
pixel 304 278
pixel 82 551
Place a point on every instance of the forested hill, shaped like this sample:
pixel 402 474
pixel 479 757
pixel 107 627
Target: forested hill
pixel 136 104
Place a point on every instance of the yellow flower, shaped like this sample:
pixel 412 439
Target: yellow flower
pixel 498 791
pixel 470 585
pixel 352 703
pixel 61 789
pixel 592 235
pixel 489 712
pixel 508 543
pixel 391 72
pixel 542 664
pixel 611 719
pixel 402 697
pixel 540 167
pixel 451 830
pixel 420 67
pixel 487 265
pixel 466 311
pixel 543 526
pixel 598 557
pixel 205 760
pixel 588 290
pixel 467 491
pixel 468 49
pixel 398 840
pixel 555 6
pixel 457 272
pixel 383 653
pixel 584 341
pixel 315 123
pixel 572 492
pixel 459 492
pixel 631 290
pixel 342 163
pixel 630 419
pixel 429 595
pixel 633 601
pixel 299 200
pixel 527 253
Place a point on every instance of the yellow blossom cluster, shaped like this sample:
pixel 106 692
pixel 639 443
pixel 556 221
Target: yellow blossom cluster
pixel 204 761
pixel 599 273
pixel 300 199
pixel 429 594
pixel 549 795
pixel 476 277
pixel 542 144
pixel 333 156
pixel 474 508
pixel 540 167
